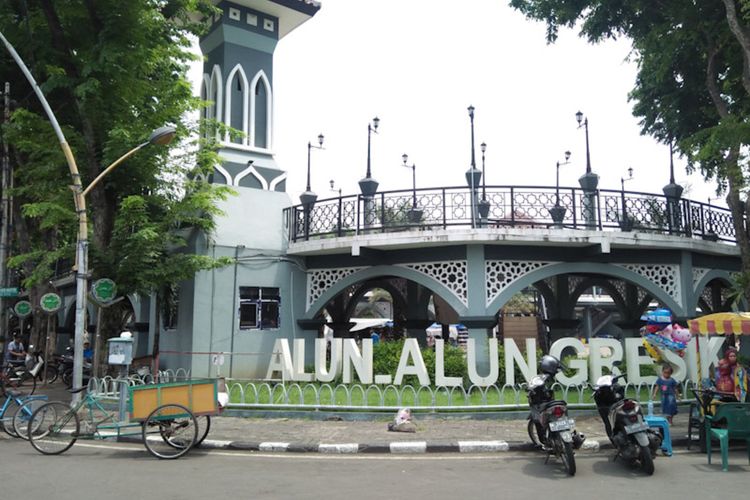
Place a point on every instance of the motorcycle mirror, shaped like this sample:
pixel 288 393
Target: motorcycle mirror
pixel 617 363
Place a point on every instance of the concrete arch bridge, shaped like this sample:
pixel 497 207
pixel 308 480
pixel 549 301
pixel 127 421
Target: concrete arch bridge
pixel 446 246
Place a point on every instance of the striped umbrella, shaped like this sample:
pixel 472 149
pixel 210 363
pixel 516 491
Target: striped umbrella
pixel 724 323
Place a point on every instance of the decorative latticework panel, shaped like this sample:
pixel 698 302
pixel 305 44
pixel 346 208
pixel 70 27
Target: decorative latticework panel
pixel 665 276
pixel 499 274
pixel 320 280
pixel 451 274
pixel 707 296
pixel 573 283
pixel 698 274
pixel 620 286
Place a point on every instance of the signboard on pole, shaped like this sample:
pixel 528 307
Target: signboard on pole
pixel 104 290
pixel 50 302
pixel 22 308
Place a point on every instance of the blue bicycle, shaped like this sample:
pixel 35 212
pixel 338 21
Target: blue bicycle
pixel 17 406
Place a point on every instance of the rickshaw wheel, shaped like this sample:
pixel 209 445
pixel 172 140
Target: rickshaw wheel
pixel 204 425
pixel 177 431
pixel 53 428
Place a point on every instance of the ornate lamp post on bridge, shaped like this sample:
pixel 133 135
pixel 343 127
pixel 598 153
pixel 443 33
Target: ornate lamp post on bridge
pixel 308 198
pixel 368 185
pixel 588 181
pixel 415 214
pixel 673 192
pixel 484 204
pixel 473 175
pixel 557 212
pixel 626 222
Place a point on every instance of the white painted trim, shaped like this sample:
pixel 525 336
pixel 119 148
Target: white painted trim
pixel 250 170
pixel 269 109
pixel 276 181
pixel 216 83
pixel 228 104
pixel 242 147
pixel 225 173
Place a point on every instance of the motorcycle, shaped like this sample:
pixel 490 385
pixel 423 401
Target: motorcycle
pixel 624 423
pixel 37 366
pixel 66 368
pixel 549 425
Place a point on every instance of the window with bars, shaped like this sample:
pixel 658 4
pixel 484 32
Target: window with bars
pixel 259 308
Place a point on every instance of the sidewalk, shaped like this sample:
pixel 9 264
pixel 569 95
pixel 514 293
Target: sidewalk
pixel 344 433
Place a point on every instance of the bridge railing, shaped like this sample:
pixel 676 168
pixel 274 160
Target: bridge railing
pixel 508 206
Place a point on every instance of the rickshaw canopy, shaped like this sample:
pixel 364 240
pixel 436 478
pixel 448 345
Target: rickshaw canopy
pixel 724 323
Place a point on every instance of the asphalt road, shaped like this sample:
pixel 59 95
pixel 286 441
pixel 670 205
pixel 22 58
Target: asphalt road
pixel 114 471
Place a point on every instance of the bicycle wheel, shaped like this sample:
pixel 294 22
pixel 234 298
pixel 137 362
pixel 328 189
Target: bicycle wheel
pixel 51 373
pixel 7 421
pixel 21 381
pixel 53 428
pixel 170 431
pixel 22 417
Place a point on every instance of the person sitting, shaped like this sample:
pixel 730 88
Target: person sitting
pixel 15 352
pixel 88 352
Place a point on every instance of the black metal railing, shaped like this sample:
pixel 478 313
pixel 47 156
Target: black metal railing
pixel 514 206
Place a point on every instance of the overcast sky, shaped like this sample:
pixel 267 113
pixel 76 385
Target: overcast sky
pixel 418 65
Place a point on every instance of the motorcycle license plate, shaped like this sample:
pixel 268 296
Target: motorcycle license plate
pixel 638 427
pixel 564 424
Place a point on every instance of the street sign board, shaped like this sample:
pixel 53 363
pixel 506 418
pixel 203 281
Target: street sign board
pixel 50 302
pixel 9 292
pixel 22 308
pixel 104 290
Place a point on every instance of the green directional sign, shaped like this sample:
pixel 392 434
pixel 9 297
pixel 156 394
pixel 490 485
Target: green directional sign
pixel 104 290
pixel 50 302
pixel 9 292
pixel 22 308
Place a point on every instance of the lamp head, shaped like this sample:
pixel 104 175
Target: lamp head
pixel 320 140
pixel 375 122
pixel 483 147
pixel 471 111
pixel 331 182
pixel 405 157
pixel 630 172
pixel 579 117
pixel 162 135
pixel 567 155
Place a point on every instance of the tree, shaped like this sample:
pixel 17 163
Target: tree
pixel 112 72
pixel 693 82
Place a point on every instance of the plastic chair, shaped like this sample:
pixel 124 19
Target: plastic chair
pixel 736 416
pixel 662 424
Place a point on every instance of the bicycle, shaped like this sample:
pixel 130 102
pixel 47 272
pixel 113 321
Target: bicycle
pixel 13 404
pixel 18 378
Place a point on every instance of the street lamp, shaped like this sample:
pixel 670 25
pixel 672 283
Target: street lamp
pixel 557 177
pixel 584 122
pixel 368 185
pixel 473 175
pixel 413 167
pixel 483 205
pixel 673 192
pixel 558 212
pixel 589 180
pixel 162 136
pixel 308 197
pixel 333 189
pixel 626 223
pixel 415 214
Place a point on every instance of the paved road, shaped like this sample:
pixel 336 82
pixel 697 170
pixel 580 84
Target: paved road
pixel 125 471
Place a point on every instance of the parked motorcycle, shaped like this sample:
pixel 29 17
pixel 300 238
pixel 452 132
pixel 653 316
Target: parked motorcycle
pixel 623 420
pixel 37 366
pixel 549 424
pixel 66 368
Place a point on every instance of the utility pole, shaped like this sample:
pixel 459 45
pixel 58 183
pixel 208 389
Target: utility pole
pixel 4 212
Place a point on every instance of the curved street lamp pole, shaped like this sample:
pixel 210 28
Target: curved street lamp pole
pixel 162 135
